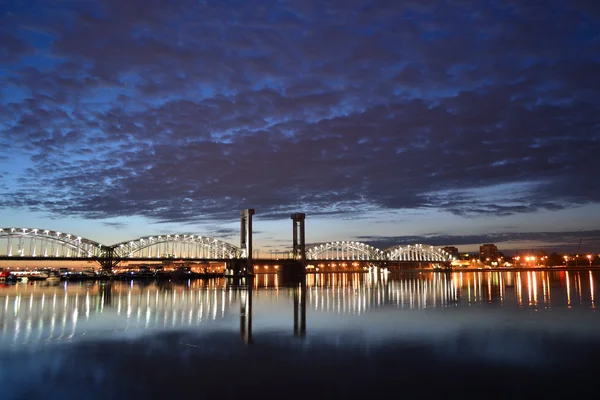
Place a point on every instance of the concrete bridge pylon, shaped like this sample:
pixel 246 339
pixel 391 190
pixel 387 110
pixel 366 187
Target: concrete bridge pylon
pixel 246 232
pixel 299 237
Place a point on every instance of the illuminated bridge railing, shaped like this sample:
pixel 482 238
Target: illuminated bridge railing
pixel 417 253
pixel 32 242
pixel 177 246
pixel 350 251
pixel 343 250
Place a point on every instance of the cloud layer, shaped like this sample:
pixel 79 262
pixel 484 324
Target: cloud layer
pixel 191 110
pixel 566 241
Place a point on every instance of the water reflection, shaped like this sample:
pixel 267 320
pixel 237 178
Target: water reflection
pixel 300 308
pixel 246 288
pixel 246 313
pixel 35 313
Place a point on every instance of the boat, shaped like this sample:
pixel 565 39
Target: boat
pixel 182 273
pixel 7 277
pixel 89 272
pixel 39 275
pixel 145 272
pixel 161 273
pixel 142 272
pixel 53 277
pixel 104 275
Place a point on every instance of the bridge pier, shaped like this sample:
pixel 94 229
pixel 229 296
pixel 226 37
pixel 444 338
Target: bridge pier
pixel 295 269
pixel 237 268
pixel 243 266
pixel 108 260
pixel 246 238
pixel 299 238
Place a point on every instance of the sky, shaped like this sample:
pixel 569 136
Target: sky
pixel 390 122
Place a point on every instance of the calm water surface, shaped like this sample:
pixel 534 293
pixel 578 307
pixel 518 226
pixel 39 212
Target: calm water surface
pixel 470 334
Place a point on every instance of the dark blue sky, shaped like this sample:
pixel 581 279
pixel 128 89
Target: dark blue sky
pixel 442 122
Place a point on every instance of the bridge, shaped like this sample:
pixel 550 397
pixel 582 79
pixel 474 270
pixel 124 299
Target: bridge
pixel 45 244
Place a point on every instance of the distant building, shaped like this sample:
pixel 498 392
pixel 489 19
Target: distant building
pixel 453 251
pixel 488 252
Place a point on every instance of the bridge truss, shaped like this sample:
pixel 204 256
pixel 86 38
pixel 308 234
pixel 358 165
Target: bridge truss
pixel 417 252
pixel 44 243
pixel 176 246
pixel 349 251
pixel 33 242
pixel 343 250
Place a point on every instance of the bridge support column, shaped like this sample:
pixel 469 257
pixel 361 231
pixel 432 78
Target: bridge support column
pixel 246 238
pixel 297 268
pixel 299 242
pixel 236 268
pixel 107 259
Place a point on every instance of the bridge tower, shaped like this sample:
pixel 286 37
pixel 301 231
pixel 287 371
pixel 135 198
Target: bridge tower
pixel 299 243
pixel 246 232
pixel 246 238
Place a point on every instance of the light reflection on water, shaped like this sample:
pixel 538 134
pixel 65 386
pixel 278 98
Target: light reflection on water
pixel 124 340
pixel 34 312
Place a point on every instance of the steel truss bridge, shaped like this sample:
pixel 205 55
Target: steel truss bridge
pixel 31 243
pixel 357 251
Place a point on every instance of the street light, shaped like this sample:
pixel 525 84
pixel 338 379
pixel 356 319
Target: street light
pixel 589 257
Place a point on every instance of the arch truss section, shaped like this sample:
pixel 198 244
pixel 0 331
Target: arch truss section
pixel 418 253
pixel 343 250
pixel 177 246
pixel 34 242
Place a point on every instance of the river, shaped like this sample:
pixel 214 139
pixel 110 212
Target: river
pixel 411 334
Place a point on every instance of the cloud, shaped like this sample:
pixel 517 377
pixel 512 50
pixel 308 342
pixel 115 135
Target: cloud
pixel 193 110
pixel 505 240
pixel 115 225
pixel 12 47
